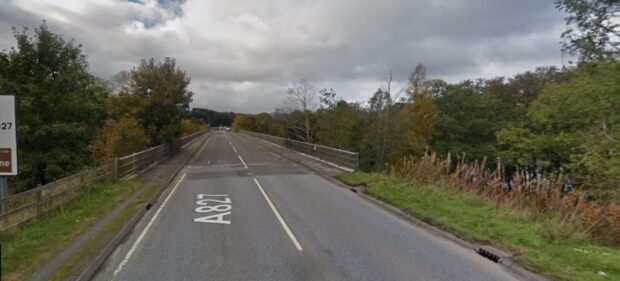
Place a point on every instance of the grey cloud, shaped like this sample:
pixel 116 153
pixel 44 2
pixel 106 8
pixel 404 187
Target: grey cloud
pixel 241 54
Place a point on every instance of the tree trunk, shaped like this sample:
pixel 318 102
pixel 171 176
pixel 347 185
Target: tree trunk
pixel 307 127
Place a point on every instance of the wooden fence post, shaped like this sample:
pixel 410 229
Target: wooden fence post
pixel 115 168
pixel 40 208
pixel 4 193
pixel 133 164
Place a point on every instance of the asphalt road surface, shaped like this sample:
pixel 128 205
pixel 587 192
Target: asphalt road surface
pixel 239 211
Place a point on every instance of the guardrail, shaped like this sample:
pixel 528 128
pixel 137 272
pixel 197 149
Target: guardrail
pixel 21 207
pixel 336 156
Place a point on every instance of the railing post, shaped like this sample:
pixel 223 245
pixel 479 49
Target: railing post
pixel 40 202
pixel 175 146
pixel 133 163
pixel 115 168
pixel 4 193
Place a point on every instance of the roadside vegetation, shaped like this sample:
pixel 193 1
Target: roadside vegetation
pixel 93 248
pixel 557 248
pixel 27 247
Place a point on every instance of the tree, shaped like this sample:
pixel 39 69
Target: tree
pixel 339 125
pixel 119 82
pixel 418 115
pixel 301 97
pixel 60 105
pixel 328 98
pixel 378 138
pixel 245 122
pixel 524 88
pixel 263 122
pixel 190 126
pixel 592 28
pixel 118 138
pixel 159 91
pixel 214 118
pixel 418 85
pixel 575 125
pixel 467 120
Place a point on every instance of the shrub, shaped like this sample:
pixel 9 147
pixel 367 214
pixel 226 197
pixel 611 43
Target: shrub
pixel 548 197
pixel 118 138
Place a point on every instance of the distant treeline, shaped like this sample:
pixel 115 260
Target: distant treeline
pixel 213 118
pixel 548 121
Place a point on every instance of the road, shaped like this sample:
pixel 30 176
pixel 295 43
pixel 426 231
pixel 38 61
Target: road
pixel 239 211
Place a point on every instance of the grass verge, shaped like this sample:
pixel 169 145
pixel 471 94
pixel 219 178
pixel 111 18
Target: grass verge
pixel 28 247
pixel 92 248
pixel 541 244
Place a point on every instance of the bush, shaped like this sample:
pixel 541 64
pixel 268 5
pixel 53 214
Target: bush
pixel 118 138
pixel 189 127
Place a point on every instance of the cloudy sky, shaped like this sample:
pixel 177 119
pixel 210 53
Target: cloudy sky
pixel 242 54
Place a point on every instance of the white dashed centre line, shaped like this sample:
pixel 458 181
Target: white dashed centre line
pixel 233 147
pixel 242 162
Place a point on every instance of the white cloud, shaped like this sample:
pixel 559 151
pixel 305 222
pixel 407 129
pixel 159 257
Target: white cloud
pixel 242 53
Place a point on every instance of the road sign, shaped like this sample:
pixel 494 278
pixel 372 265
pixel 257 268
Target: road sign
pixel 8 136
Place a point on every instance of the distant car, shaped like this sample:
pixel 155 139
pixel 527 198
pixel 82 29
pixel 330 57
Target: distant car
pixel 227 128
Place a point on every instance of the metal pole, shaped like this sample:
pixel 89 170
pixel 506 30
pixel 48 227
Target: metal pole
pixel 4 193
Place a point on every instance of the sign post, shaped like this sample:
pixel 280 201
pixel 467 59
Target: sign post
pixel 8 145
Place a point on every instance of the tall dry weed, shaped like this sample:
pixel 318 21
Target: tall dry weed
pixel 544 197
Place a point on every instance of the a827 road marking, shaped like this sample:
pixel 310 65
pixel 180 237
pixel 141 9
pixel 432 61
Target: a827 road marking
pixel 220 207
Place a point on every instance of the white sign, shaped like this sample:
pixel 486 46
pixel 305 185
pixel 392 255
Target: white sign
pixel 8 138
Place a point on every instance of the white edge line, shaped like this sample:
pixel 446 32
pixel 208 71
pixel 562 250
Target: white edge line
pixel 282 222
pixel 243 162
pixel 146 229
pixel 201 149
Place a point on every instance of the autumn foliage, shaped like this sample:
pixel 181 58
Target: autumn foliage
pixel 118 138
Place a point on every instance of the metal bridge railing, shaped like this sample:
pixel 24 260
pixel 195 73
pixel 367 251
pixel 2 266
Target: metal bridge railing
pixel 339 157
pixel 21 207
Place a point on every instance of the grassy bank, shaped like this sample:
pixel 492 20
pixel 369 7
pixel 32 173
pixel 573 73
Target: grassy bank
pixel 28 247
pixel 550 247
pixel 93 247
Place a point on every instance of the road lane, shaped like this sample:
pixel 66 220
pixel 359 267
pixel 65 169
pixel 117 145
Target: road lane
pixel 342 237
pixel 252 247
pixel 356 240
pixel 146 229
pixel 280 219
